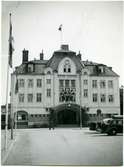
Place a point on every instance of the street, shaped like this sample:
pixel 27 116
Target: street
pixel 65 146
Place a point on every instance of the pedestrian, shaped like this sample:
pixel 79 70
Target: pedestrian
pixel 51 120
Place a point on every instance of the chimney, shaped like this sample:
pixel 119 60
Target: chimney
pixel 25 56
pixel 65 47
pixel 41 55
pixel 79 55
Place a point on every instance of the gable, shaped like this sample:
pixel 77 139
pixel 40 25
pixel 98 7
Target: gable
pixel 67 66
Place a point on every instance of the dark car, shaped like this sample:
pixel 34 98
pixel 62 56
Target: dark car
pixel 111 126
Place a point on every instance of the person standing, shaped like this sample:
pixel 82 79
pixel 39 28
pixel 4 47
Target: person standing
pixel 51 120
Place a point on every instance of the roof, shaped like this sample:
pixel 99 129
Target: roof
pixel 59 55
pixel 38 61
pixel 39 65
pixel 93 68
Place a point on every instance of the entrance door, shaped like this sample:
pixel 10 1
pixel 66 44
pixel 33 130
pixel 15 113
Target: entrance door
pixel 67 117
pixel 22 119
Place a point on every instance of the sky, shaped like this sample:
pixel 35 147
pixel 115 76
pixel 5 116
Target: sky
pixel 93 28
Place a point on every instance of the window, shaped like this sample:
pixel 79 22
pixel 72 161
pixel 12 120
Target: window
pixel 48 92
pixel 94 97
pixel 85 73
pixel 103 98
pixel 21 97
pixel 85 82
pixel 94 83
pixel 110 98
pixel 101 69
pixel 85 92
pixel 48 81
pixel 67 83
pixel 30 83
pixel 21 117
pixel 73 83
pixel 39 83
pixel 61 83
pixel 67 66
pixel 30 97
pixel 39 97
pixel 48 72
pixel 102 84
pixel 21 83
pixel 44 115
pixel 69 69
pixel 110 84
pixel 30 67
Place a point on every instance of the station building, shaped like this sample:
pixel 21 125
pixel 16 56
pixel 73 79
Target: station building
pixel 65 84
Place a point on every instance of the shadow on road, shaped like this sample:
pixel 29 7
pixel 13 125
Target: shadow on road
pixel 105 135
pixel 94 132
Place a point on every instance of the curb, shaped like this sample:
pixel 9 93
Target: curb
pixel 7 152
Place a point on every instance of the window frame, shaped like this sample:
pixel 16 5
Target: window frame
pixel 21 97
pixel 85 93
pixel 39 83
pixel 48 92
pixel 30 83
pixel 95 97
pixel 94 84
pixel 39 97
pixel 30 97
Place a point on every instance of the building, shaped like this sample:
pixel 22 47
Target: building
pixel 77 91
pixel 121 100
pixel 3 116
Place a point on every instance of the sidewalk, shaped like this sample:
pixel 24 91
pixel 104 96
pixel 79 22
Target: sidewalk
pixel 10 142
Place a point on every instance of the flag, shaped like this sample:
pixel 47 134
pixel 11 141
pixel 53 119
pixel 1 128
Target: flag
pixel 60 28
pixel 16 87
pixel 11 49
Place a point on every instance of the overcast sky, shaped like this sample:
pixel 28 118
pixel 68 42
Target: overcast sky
pixel 94 28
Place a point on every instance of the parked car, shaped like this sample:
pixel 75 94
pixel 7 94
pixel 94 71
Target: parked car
pixel 111 126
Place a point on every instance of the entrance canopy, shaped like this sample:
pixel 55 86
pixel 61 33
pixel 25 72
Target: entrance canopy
pixel 68 106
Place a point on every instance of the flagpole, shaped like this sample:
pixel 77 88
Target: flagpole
pixel 61 37
pixel 9 63
pixel 16 107
pixel 61 33
pixel 12 116
pixel 6 123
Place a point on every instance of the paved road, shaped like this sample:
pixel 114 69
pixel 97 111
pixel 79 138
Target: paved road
pixel 65 147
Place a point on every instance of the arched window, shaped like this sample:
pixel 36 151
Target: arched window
pixel 67 66
pixel 48 72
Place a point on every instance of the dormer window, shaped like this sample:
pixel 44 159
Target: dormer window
pixel 30 68
pixel 67 66
pixel 101 69
pixel 85 73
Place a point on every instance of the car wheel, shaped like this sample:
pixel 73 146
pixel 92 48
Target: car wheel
pixel 112 132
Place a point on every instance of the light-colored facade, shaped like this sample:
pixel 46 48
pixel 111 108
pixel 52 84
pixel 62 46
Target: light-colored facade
pixel 63 83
